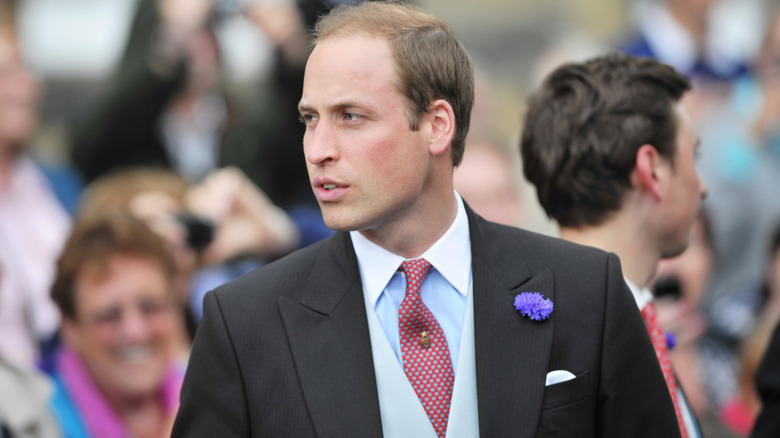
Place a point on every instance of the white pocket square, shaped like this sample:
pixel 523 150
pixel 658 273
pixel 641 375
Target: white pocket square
pixel 558 376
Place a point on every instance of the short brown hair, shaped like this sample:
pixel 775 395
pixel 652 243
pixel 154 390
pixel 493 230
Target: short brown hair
pixel 91 243
pixel 430 62
pixel 584 127
pixel 114 190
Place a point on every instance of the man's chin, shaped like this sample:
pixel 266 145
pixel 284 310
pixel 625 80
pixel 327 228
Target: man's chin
pixel 339 224
pixel 674 252
pixel 338 218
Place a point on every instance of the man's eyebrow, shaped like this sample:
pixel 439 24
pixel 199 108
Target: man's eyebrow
pixel 303 107
pixel 345 106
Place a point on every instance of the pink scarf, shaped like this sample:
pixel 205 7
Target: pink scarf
pixel 98 416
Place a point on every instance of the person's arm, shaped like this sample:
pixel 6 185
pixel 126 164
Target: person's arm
pixel 283 24
pixel 247 222
pixel 213 402
pixel 634 400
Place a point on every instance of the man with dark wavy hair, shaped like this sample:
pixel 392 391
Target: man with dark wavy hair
pixel 611 151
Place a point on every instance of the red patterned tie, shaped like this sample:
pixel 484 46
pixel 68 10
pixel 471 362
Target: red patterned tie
pixel 659 343
pixel 425 352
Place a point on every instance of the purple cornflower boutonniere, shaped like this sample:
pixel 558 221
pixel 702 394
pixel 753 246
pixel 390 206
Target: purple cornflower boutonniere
pixel 533 305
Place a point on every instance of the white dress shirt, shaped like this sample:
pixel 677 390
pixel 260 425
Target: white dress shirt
pixel 444 291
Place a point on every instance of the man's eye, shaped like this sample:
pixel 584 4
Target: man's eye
pixel 307 118
pixel 351 116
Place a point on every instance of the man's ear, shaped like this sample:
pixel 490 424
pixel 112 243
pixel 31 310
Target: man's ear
pixel 650 170
pixel 442 126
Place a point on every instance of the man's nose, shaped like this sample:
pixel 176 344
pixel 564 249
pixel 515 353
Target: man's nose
pixel 320 142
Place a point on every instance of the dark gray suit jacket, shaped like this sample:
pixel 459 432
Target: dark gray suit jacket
pixel 767 381
pixel 285 352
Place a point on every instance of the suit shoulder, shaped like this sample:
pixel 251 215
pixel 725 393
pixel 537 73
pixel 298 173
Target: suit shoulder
pixel 533 245
pixel 287 273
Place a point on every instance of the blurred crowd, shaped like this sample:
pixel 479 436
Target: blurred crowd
pixel 719 298
pixel 172 185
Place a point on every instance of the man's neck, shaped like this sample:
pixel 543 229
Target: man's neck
pixel 413 235
pixel 636 252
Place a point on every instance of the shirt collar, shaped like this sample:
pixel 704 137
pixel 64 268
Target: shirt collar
pixel 450 256
pixel 642 296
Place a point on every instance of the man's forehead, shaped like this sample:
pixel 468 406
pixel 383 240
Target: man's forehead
pixel 348 68
pixel 348 45
pixel 351 34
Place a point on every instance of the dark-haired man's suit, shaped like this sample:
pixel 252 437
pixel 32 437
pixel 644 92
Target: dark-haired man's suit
pixel 767 381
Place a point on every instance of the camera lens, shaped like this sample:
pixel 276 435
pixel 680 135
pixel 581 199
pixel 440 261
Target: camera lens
pixel 200 231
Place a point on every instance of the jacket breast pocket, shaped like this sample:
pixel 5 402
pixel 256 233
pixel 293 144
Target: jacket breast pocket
pixel 568 392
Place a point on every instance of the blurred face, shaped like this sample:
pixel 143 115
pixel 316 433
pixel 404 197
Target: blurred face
pixel 695 11
pixel 684 191
pixel 122 325
pixel 368 169
pixel 18 97
pixel 203 62
pixel 692 267
pixel 486 181
pixel 768 65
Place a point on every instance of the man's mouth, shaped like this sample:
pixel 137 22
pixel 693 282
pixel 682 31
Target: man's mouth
pixel 329 186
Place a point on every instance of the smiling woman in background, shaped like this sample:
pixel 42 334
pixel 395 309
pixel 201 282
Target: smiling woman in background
pixel 114 373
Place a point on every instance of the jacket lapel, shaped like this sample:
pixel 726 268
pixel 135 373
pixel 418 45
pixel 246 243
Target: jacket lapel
pixel 328 335
pixel 512 352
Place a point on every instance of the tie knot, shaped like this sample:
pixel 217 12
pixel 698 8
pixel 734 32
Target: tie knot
pixel 416 267
pixel 415 271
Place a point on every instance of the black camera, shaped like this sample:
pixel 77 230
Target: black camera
pixel 668 286
pixel 200 231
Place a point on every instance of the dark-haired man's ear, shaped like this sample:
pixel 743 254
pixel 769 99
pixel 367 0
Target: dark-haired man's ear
pixel 650 171
pixel 442 126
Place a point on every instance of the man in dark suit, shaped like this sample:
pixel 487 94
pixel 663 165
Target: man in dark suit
pixel 487 331
pixel 767 376
pixel 611 151
pixel 767 382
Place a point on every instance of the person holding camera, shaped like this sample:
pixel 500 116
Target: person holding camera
pixel 215 230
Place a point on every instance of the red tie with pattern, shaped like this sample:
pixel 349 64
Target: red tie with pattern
pixel 659 343
pixel 426 355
